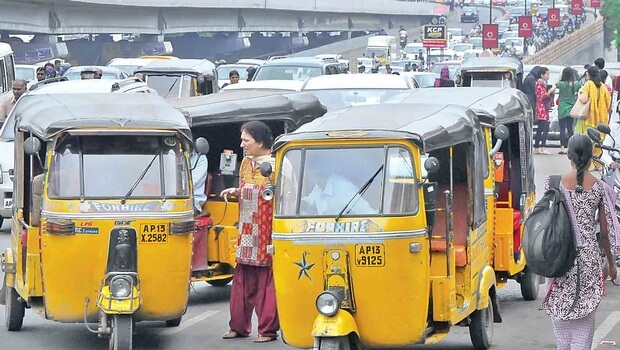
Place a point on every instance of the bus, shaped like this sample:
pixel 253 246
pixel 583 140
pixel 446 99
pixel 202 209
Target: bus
pixel 7 72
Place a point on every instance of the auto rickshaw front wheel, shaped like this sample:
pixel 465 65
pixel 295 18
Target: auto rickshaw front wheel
pixel 14 310
pixel 122 333
pixel 530 284
pixel 174 322
pixel 335 343
pixel 481 327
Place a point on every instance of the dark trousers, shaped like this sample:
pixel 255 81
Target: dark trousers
pixel 566 130
pixel 540 140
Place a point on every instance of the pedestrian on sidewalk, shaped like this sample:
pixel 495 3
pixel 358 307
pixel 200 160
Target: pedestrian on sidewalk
pixel 568 89
pixel 543 101
pixel 600 101
pixel 571 300
pixel 253 285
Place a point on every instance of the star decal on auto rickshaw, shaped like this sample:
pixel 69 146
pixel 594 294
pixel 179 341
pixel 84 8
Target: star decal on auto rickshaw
pixel 304 267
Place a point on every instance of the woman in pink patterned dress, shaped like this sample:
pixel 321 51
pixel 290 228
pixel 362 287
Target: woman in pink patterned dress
pixel 572 299
pixel 253 286
pixel 543 98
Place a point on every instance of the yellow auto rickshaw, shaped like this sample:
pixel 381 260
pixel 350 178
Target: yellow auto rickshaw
pixel 512 179
pixel 219 117
pixel 491 72
pixel 102 215
pixel 373 245
pixel 179 78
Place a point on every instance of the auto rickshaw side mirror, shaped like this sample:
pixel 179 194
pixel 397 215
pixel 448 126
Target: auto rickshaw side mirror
pixel 32 145
pixel 431 195
pixel 431 165
pixel 501 132
pixel 594 135
pixel 604 128
pixel 201 145
pixel 265 169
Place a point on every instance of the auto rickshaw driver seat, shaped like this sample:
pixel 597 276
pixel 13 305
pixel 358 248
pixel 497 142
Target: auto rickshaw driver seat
pixel 460 207
pixel 37 199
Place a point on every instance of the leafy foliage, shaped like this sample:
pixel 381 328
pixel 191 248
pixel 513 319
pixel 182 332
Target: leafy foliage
pixel 611 11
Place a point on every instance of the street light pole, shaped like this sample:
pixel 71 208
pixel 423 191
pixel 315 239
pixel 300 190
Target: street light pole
pixel 525 8
pixel 490 11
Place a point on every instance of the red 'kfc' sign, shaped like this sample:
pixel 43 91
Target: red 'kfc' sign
pixel 489 36
pixel 576 7
pixel 525 26
pixel 553 17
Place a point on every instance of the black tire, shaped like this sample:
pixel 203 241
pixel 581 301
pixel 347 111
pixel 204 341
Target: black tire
pixel 529 285
pixel 336 343
pixel 481 328
pixel 122 333
pixel 14 310
pixel 174 322
pixel 220 283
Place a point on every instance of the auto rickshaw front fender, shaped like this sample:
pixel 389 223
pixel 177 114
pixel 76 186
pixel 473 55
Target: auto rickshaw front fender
pixel 487 293
pixel 9 266
pixel 341 324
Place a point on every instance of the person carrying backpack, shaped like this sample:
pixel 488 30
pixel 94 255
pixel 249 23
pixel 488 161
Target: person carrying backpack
pixel 573 297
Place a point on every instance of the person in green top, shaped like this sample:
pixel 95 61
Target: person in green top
pixel 568 88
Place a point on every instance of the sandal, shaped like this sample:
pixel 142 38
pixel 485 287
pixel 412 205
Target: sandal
pixel 264 339
pixel 233 335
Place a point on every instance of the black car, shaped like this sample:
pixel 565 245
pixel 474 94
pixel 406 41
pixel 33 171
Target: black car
pixel 469 14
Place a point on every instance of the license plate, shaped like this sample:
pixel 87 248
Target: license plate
pixel 153 233
pixel 369 255
pixel 8 203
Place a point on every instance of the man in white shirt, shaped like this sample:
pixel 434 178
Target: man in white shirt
pixel 19 88
pixel 333 197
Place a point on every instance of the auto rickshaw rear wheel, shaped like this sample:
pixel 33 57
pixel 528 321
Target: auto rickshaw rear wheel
pixel 174 322
pixel 335 343
pixel 14 310
pixel 122 333
pixel 220 283
pixel 481 327
pixel 529 285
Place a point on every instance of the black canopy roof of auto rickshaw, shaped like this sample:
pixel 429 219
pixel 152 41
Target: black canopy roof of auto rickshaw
pixel 181 66
pixel 491 63
pixel 493 105
pixel 428 126
pixel 241 106
pixel 44 115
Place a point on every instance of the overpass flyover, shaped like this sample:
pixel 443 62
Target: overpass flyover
pixel 233 25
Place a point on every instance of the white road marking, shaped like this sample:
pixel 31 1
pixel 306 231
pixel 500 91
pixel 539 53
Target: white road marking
pixel 604 328
pixel 190 322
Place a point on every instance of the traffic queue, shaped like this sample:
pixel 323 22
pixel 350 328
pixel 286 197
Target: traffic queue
pixel 311 189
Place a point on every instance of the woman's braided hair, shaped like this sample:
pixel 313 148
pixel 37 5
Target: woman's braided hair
pixel 580 152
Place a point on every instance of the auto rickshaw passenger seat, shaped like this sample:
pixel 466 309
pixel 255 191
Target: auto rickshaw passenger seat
pixel 208 184
pixel 37 199
pixel 460 206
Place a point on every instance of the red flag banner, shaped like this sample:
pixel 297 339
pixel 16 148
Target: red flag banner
pixel 576 7
pixel 553 16
pixel 525 26
pixel 595 3
pixel 489 36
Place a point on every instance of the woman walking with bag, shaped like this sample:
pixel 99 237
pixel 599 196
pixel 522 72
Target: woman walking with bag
pixel 568 89
pixel 543 97
pixel 572 299
pixel 596 94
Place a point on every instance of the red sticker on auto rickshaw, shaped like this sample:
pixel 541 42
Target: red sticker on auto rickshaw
pixel 369 255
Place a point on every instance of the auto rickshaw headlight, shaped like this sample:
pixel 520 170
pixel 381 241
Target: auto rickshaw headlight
pixel 120 286
pixel 327 303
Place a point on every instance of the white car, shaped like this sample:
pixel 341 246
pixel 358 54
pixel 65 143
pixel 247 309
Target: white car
pixel 423 79
pixel 7 132
pixel 27 72
pixel 460 49
pixel 129 65
pixel 508 35
pixel 276 85
pixel 223 72
pixel 343 90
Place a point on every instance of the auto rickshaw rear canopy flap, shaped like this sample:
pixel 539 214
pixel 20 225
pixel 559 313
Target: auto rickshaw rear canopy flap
pixel 429 126
pixel 491 63
pixel 243 105
pixel 45 115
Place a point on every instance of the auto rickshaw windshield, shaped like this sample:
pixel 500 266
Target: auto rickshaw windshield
pixel 110 166
pixel 329 182
pixel 170 86
pixel 378 51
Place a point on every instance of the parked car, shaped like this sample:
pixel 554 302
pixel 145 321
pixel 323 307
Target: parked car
pixel 300 69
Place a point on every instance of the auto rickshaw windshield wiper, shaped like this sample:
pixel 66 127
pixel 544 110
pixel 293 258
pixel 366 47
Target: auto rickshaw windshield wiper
pixel 133 188
pixel 172 87
pixel 360 192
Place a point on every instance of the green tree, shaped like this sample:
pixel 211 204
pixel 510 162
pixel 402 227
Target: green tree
pixel 611 11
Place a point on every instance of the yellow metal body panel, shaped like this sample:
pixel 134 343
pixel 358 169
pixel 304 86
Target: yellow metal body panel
pixel 9 258
pixel 110 305
pixel 341 324
pixel 223 235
